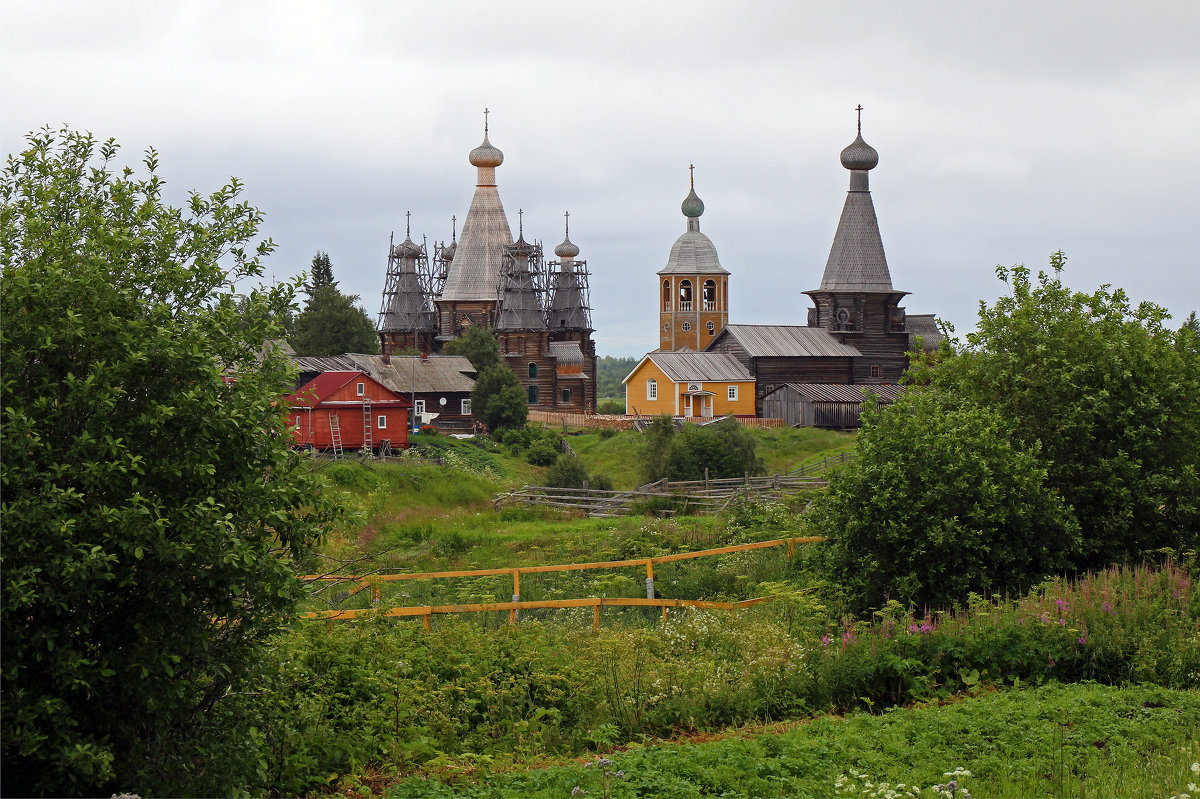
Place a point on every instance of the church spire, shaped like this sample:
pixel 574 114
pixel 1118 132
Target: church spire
pixel 856 260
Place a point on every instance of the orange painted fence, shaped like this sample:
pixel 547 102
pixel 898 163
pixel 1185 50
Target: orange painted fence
pixel 371 582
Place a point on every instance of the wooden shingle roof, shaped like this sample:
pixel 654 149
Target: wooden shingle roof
pixel 783 341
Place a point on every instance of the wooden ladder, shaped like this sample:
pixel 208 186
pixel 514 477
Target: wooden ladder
pixel 368 436
pixel 335 434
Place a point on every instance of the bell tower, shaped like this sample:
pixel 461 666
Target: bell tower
pixel 693 287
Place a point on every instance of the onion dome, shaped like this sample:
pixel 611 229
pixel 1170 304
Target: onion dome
pixel 692 205
pixel 485 155
pixel 860 155
pixel 407 249
pixel 567 249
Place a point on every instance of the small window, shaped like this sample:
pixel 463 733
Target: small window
pixel 419 407
pixel 874 370
pixel 466 407
pixel 532 370
pixel 362 389
pixel 733 392
pixel 651 389
pixel 532 394
pixel 711 326
pixel 687 326
pixel 666 295
pixel 382 423
pixel 566 395
pixel 666 327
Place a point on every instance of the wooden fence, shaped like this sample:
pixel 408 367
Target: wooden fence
pixel 626 421
pixel 822 466
pixel 372 582
pixel 697 496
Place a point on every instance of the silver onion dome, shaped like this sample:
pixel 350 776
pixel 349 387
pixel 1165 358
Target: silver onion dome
pixel 860 155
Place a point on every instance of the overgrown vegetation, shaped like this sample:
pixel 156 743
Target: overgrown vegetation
pixel 466 697
pixel 152 514
pixel 1064 433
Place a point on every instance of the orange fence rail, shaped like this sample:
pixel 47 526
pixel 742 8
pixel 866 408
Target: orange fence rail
pixel 371 582
pixel 428 611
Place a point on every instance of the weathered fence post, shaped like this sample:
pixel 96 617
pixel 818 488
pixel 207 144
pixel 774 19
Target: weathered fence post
pixel 649 578
pixel 596 617
pixel 706 479
pixel 514 615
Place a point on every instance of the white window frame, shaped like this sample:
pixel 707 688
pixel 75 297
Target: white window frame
pixel 419 407
pixel 732 394
pixel 382 423
pixel 652 389
pixel 466 407
pixel 362 389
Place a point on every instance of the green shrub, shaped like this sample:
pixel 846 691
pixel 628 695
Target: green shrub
pixel 567 472
pixel 608 432
pixel 543 452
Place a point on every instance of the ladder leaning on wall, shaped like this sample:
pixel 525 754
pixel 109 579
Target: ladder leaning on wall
pixel 368 436
pixel 335 434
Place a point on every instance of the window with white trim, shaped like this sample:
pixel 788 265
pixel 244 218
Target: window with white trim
pixel 652 389
pixel 466 407
pixel 382 423
pixel 362 389
pixel 419 407
pixel 732 392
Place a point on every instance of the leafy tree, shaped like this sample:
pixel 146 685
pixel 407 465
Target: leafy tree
pixel 1109 395
pixel 657 441
pixel 478 345
pixel 152 511
pixel 942 500
pixel 322 270
pixel 498 400
pixel 331 322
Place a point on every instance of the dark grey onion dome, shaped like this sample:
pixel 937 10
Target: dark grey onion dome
pixel 485 155
pixel 692 206
pixel 567 249
pixel 860 155
pixel 407 248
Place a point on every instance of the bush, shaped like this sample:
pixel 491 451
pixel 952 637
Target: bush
pixel 608 432
pixel 611 408
pixel 567 472
pixel 543 452
pixel 725 449
pixel 940 502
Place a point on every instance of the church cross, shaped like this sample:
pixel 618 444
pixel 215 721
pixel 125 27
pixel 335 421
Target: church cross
pixel 859 110
pixel 521 223
pixel 567 217
pixel 453 228
pixel 692 171
pixel 485 121
pixel 407 224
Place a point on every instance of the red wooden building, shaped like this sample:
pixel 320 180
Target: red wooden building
pixel 348 410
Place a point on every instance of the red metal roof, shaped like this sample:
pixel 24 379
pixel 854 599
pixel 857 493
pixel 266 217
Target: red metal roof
pixel 324 385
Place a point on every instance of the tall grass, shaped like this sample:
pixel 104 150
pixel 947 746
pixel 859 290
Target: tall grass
pixel 385 695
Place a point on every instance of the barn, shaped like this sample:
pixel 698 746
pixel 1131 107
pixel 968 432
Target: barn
pixel 829 405
pixel 348 410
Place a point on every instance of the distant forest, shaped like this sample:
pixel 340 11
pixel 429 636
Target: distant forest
pixel 610 372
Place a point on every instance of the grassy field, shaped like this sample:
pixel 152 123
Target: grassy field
pixel 782 449
pixel 732 703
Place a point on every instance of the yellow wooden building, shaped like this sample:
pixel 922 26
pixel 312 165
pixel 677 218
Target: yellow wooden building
pixel 690 385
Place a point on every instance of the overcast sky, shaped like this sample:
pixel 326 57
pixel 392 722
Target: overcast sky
pixel 1005 131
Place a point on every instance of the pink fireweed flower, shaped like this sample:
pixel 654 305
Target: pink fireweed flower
pixel 1062 622
pixel 926 628
pixel 912 628
pixel 824 640
pixel 1083 639
pixel 1107 608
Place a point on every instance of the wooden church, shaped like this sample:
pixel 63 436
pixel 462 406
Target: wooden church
pixel 539 311
pixel 857 333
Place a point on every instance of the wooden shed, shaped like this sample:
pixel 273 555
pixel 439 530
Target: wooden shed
pixel 348 410
pixel 831 405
